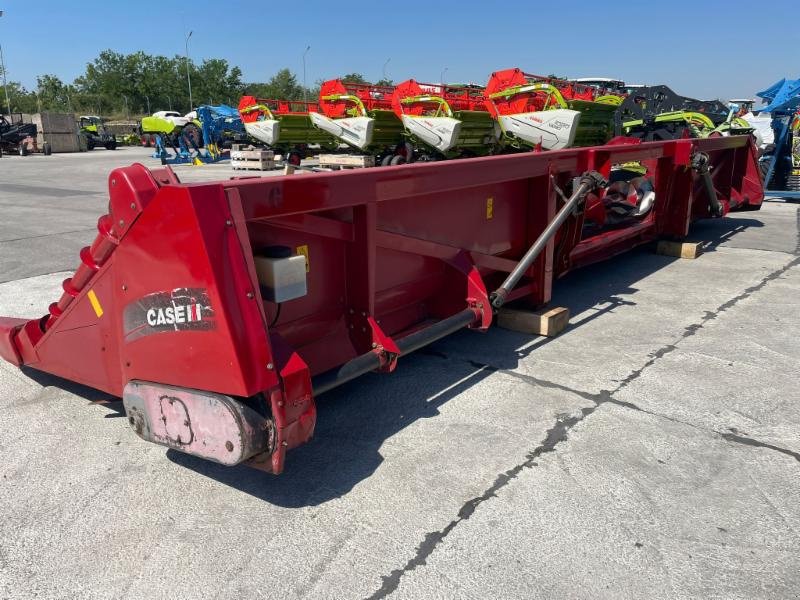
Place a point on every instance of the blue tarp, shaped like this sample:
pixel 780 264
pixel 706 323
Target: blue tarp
pixel 769 93
pixel 782 96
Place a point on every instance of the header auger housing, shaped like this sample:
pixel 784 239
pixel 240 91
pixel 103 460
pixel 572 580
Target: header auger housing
pixel 360 115
pixel 445 121
pixel 535 111
pixel 284 125
pixel 218 311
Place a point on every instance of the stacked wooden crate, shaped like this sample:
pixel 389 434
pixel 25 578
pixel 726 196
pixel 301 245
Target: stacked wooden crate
pixel 254 159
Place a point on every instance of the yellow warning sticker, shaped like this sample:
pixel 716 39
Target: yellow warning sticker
pixel 489 208
pixel 98 310
pixel 304 251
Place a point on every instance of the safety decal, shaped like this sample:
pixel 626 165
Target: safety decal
pixel 98 310
pixel 182 309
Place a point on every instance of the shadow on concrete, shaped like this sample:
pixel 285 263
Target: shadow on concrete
pixel 355 419
pixel 715 232
pixel 93 396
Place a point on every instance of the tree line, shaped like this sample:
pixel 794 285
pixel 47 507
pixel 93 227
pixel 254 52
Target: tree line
pixel 128 85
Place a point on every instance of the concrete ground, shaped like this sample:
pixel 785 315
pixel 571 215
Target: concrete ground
pixel 650 451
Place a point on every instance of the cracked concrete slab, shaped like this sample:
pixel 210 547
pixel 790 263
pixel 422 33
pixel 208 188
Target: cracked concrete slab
pixel 625 458
pixel 671 512
pixel 740 374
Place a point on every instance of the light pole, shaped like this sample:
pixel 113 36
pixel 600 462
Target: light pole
pixel 441 79
pixel 386 64
pixel 188 76
pixel 305 89
pixel 5 80
pixel 124 97
pixel 148 103
pixel 169 100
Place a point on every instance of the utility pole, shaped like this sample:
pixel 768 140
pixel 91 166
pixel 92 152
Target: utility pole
pixel 5 79
pixel 305 88
pixel 188 76
pixel 127 115
pixel 169 100
pixel 386 64
pixel 444 72
pixel 148 103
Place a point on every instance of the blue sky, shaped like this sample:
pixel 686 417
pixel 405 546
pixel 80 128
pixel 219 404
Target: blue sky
pixel 702 48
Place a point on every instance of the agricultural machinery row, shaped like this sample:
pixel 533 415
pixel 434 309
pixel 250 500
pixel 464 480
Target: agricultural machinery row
pixel 200 137
pixel 515 111
pixel 220 311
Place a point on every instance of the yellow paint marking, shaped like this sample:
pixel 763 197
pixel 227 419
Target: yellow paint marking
pixel 489 208
pixel 304 251
pixel 98 310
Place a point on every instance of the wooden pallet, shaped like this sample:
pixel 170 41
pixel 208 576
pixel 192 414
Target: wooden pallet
pixel 253 165
pixel 252 160
pixel 346 161
pixel 246 147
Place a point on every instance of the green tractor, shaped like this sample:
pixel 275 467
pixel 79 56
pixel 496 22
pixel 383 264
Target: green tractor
pixel 96 134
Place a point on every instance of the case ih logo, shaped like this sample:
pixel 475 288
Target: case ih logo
pixel 174 315
pixel 182 309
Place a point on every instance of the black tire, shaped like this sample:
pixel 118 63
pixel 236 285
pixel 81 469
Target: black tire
pixel 386 160
pixel 23 150
pixel 397 160
pixel 89 143
pixel 192 131
pixel 112 145
pixel 47 149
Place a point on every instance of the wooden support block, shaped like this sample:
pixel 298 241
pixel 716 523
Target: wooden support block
pixel 679 249
pixel 548 321
pixel 289 169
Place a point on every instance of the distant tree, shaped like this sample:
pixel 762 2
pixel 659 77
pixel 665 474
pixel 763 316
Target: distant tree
pixel 281 86
pixel 384 82
pixel 22 101
pixel 53 94
pixel 217 82
pixel 354 78
pixel 157 82
pixel 142 82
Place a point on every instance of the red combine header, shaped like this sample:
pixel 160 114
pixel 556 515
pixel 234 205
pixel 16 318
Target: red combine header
pixel 219 311
pixel 445 121
pixel 552 113
pixel 360 115
pixel 284 125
